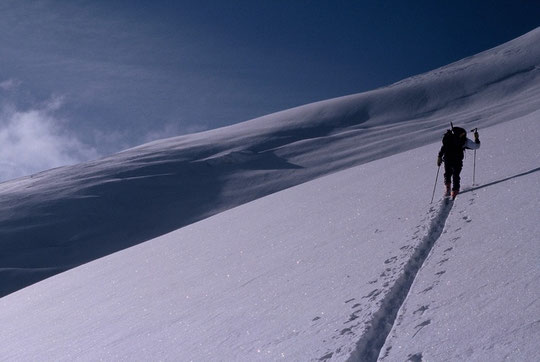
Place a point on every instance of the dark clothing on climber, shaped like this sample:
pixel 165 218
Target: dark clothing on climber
pixel 452 152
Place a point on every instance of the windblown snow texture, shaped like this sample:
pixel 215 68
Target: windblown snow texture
pixel 62 218
pixel 302 235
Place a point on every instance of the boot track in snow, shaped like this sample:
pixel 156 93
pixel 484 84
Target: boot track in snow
pixel 369 346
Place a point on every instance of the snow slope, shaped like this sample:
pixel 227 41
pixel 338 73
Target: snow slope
pixel 308 272
pixel 477 297
pixel 58 219
pixel 316 271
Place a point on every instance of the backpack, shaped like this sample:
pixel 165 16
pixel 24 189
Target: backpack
pixel 453 144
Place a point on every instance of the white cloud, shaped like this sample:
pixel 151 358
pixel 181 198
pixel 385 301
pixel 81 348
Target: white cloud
pixel 34 140
pixel 9 84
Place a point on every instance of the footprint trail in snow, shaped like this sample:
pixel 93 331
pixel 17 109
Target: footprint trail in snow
pixel 372 341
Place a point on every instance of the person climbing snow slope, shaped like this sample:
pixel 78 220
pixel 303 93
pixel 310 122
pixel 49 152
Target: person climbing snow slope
pixel 452 151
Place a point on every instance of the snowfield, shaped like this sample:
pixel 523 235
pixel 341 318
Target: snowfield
pixel 303 235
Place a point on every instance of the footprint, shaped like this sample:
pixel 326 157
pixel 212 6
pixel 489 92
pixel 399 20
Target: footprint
pixel 352 317
pixel 348 301
pixel 387 351
pixel 447 250
pixel 374 293
pixel 443 261
pixel 427 289
pixel 415 357
pixel 389 260
pixel 441 272
pixel 422 309
pixel 326 356
pixel 421 326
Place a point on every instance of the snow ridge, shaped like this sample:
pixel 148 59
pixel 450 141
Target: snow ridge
pixel 65 217
pixel 369 346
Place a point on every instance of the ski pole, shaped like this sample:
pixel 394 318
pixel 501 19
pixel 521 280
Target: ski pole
pixel 474 162
pixel 435 186
pixel 474 169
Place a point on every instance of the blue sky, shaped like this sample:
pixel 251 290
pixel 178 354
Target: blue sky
pixel 89 78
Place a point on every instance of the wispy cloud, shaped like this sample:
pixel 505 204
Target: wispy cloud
pixel 9 84
pixel 35 139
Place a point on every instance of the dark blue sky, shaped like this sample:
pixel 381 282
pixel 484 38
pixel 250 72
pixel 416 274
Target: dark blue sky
pixel 123 72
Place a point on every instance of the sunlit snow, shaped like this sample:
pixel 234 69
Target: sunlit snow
pixel 303 235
